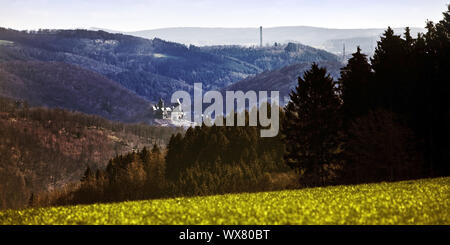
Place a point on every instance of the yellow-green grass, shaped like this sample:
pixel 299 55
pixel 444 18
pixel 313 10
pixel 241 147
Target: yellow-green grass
pixel 425 201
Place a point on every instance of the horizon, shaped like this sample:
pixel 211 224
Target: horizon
pixel 96 28
pixel 141 15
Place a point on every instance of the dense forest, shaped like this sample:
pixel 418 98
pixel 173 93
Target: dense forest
pixel 384 120
pixel 203 161
pixel 45 149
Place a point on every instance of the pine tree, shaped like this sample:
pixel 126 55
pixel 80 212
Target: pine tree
pixel 409 40
pixel 311 124
pixel 354 86
pixel 156 150
pixel 31 201
pixel 173 157
pixel 389 63
pixel 145 155
pixel 88 175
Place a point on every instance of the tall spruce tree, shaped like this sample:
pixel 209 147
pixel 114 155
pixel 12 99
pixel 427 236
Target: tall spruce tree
pixel 390 67
pixel 354 86
pixel 311 125
pixel 173 160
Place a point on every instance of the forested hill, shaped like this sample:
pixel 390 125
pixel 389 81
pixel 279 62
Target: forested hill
pixel 43 149
pixel 152 68
pixel 61 85
pixel 283 80
pixel 274 57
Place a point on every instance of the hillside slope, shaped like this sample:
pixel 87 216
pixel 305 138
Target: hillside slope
pixel 56 84
pixel 283 80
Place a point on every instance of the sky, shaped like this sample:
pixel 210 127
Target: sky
pixel 134 15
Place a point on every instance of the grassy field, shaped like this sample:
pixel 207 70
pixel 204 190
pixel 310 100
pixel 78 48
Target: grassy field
pixel 425 201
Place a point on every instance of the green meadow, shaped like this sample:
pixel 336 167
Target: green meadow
pixel 425 201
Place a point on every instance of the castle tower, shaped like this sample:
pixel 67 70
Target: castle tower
pixel 161 103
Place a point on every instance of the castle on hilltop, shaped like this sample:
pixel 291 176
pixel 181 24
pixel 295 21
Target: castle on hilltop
pixel 174 112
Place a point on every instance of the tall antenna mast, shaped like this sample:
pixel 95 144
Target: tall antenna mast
pixel 260 36
pixel 343 53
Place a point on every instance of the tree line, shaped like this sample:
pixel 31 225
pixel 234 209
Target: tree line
pixel 202 161
pixel 383 120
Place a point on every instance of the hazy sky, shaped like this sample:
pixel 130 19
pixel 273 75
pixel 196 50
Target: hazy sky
pixel 135 15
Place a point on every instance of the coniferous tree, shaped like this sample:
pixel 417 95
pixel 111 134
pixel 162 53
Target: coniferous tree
pixel 354 86
pixel 390 72
pixel 174 162
pixel 145 155
pixel 88 174
pixel 31 200
pixel 155 150
pixel 311 125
